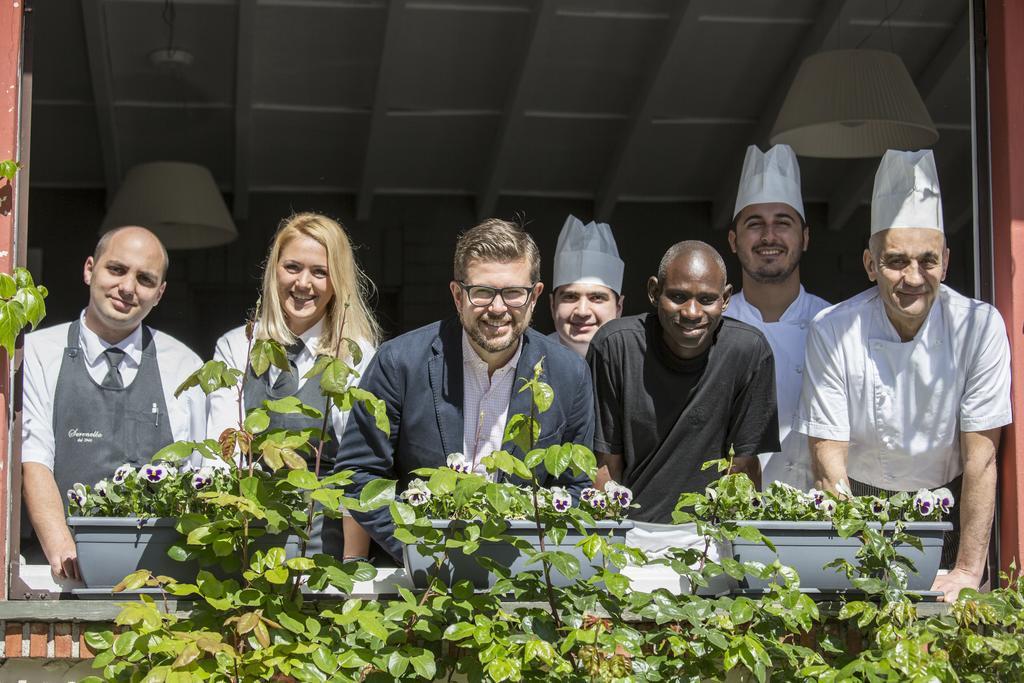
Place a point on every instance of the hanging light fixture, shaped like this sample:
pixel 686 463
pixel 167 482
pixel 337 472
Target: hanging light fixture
pixel 853 104
pixel 178 201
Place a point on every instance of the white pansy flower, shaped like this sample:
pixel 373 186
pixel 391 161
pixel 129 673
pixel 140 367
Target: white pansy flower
pixel 618 494
pixel 76 494
pixel 924 502
pixel 122 473
pixel 459 463
pixel 153 474
pixel 944 499
pixel 202 478
pixel 416 493
pixel 560 499
pixel 100 489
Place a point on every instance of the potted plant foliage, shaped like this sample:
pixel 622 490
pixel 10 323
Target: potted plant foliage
pixel 820 534
pixel 250 491
pixel 458 525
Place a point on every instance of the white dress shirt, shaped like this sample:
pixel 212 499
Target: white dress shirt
pixel 902 406
pixel 44 353
pixel 787 338
pixel 485 403
pixel 233 349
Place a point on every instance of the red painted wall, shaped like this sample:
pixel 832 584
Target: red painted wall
pixel 1005 19
pixel 10 84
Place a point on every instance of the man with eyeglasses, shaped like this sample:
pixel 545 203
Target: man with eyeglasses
pixel 907 385
pixel 450 387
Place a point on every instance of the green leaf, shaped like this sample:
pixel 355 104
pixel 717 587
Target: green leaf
pixel 377 494
pixel 99 641
pixel 402 513
pixel 424 665
pixel 179 450
pixel 459 631
pixel 557 459
pixel 257 420
pixel 397 664
pixel 535 457
pixel 325 660
pixel 8 287
pixel 303 479
pixel 374 406
pixel 266 352
pixel 335 377
pixel 584 460
pixel 32 304
pixel 290 405
pixel 523 431
pixel 125 643
pixel 9 325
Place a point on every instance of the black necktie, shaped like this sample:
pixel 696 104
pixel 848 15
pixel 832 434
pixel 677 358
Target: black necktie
pixel 114 357
pixel 287 383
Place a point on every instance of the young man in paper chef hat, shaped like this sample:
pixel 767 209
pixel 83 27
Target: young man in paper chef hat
pixel 769 234
pixel 587 283
pixel 908 383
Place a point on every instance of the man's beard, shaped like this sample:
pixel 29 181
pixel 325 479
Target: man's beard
pixel 492 345
pixel 771 275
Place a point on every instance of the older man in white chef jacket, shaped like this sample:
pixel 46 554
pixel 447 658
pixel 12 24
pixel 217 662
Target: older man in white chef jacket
pixel 908 384
pixel 587 283
pixel 769 234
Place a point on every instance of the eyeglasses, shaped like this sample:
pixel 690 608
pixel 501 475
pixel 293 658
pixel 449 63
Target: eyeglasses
pixel 482 295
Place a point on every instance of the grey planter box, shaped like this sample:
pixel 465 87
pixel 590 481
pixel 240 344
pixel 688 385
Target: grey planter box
pixel 111 548
pixel 459 567
pixel 808 546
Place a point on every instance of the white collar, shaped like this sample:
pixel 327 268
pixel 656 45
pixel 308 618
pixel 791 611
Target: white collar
pixel 93 346
pixel 794 312
pixel 471 358
pixel 311 337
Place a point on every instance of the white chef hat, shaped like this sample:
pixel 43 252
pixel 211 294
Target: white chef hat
pixel 906 193
pixel 770 177
pixel 587 253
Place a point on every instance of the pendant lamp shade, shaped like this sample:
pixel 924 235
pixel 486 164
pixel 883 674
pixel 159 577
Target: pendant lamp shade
pixel 178 201
pixel 853 104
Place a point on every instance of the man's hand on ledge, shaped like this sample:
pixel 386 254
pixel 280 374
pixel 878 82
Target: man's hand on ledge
pixel 64 559
pixel 952 583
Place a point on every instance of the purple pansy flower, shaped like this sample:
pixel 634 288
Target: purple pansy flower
pixel 202 478
pixel 618 494
pixel 588 494
pixel 416 493
pixel 924 502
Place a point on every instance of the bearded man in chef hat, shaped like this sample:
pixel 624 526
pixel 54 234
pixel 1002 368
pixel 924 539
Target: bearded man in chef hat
pixel 769 234
pixel 587 283
pixel 907 385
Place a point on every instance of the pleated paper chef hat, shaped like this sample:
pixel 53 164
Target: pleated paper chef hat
pixel 906 193
pixel 587 253
pixel 768 178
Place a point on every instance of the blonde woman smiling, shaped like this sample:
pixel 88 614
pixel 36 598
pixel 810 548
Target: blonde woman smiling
pixel 310 275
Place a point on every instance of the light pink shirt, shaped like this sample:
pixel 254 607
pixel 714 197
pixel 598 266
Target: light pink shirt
pixel 485 403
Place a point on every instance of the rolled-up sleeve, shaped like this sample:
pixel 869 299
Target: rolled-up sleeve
pixel 824 411
pixel 986 400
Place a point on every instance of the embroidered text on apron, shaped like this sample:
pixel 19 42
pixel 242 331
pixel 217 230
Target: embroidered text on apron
pixel 96 429
pixel 326 536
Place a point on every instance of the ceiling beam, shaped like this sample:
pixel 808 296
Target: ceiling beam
pixel 96 42
pixel 827 20
pixel 855 188
pixel 643 109
pixel 515 109
pixel 381 97
pixel 243 105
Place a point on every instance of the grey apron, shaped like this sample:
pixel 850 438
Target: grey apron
pixel 96 429
pixel 326 535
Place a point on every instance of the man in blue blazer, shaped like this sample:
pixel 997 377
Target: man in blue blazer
pixel 452 386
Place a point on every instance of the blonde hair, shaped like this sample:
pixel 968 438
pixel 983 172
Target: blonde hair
pixel 349 283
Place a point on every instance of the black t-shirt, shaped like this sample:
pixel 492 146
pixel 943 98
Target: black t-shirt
pixel 666 416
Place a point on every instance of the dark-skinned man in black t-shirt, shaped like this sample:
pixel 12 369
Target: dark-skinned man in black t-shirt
pixel 680 386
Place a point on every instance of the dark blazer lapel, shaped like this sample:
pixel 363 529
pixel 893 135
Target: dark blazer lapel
pixel 445 371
